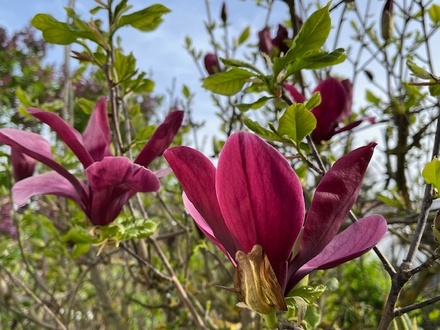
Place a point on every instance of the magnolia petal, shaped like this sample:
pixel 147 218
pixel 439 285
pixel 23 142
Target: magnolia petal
pixel 113 181
pixel 334 102
pixel 333 199
pixel 67 133
pixel 260 197
pixel 37 147
pixel 50 183
pixel 204 226
pixel 296 96
pixel 23 166
pixel 97 136
pixel 349 90
pixel 196 174
pixel 354 241
pixel 161 138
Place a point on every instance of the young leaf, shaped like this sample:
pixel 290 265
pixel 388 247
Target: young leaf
pixel 54 32
pixel 314 101
pixel 227 83
pixel 261 131
pixel 434 13
pixel 244 35
pixel 431 173
pixel 254 105
pixel 146 19
pixel 312 36
pixel 418 71
pixel 296 123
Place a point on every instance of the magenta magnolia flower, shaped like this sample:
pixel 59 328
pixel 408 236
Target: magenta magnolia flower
pixel 111 181
pixel 255 199
pixel 212 64
pixel 267 44
pixel 23 166
pixel 335 107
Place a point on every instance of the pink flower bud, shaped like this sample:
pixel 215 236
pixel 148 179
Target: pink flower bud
pixel 212 64
pixel 224 13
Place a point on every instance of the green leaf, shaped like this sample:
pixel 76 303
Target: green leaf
pixel 78 235
pixel 240 64
pixel 54 31
pixel 86 105
pixel 310 293
pixel 314 101
pixel 418 71
pixel 23 97
pixel 372 98
pixel 227 83
pixel 434 14
pixel 431 173
pixel 125 66
pixel 313 33
pixel 186 92
pixel 146 19
pixel 317 59
pixel 312 36
pixel 244 35
pixel 254 105
pixel 296 123
pixel 261 131
pixel 434 90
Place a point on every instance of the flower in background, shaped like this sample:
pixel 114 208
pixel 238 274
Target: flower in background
pixel 252 208
pixel 268 45
pixel 335 107
pixel 212 64
pixel 23 166
pixel 111 181
pixel 7 226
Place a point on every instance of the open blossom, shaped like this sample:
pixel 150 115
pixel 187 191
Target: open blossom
pixel 110 181
pixel 335 107
pixel 252 208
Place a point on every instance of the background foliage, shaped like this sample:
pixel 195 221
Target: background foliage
pixel 153 269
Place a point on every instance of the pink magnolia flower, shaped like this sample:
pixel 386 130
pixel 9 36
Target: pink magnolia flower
pixel 335 107
pixel 267 44
pixel 111 181
pixel 254 198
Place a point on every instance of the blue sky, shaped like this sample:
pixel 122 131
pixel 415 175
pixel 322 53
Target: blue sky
pixel 161 53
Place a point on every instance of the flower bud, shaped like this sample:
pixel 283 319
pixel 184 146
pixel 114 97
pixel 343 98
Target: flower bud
pixel 224 13
pixel 212 64
pixel 387 21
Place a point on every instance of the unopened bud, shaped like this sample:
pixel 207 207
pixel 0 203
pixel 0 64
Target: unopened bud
pixel 212 65
pixel 224 13
pixel 388 20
